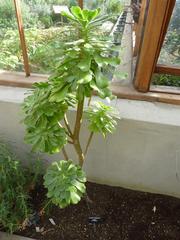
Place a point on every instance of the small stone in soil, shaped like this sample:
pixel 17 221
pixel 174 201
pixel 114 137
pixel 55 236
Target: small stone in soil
pixel 96 220
pixel 52 221
pixel 37 229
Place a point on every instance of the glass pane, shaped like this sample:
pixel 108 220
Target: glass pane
pixel 166 80
pixel 45 29
pixel 107 6
pixel 112 8
pixel 10 50
pixel 170 52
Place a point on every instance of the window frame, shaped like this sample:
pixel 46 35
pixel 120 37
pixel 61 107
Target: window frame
pixel 159 14
pixel 167 69
pixel 81 3
pixel 22 37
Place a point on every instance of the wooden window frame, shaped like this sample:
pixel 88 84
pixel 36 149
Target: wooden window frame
pixel 158 15
pixel 164 69
pixel 139 27
pixel 81 3
pixel 22 37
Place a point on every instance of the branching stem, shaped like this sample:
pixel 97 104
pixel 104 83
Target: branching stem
pixel 79 151
pixel 68 126
pixel 88 143
pixel 65 154
pixel 78 122
pixel 76 134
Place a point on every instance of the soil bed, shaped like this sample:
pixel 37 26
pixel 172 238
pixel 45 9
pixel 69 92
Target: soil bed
pixel 126 215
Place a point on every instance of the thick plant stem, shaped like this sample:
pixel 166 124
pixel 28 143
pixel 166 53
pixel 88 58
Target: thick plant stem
pixel 76 134
pixel 88 143
pixel 78 119
pixel 79 151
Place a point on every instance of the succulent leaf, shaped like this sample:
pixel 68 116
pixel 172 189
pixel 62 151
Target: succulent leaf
pixel 65 182
pixel 101 118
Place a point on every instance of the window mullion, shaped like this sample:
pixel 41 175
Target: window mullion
pixel 166 69
pixel 139 27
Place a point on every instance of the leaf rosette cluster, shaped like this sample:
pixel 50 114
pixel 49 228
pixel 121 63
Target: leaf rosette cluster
pixel 65 183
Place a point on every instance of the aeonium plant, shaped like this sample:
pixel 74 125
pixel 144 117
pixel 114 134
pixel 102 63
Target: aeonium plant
pixel 79 73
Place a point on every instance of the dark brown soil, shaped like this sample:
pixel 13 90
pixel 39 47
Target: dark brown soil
pixel 126 215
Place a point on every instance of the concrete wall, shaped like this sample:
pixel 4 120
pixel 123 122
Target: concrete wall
pixel 143 154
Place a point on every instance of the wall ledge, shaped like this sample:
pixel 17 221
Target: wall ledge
pixel 154 112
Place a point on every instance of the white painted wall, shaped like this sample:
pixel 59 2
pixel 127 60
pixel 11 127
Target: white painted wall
pixel 143 154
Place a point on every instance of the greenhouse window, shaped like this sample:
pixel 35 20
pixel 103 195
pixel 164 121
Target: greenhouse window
pixel 158 54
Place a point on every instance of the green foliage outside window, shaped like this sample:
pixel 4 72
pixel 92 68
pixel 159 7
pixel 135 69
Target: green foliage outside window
pixel 166 80
pixel 43 32
pixel 43 48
